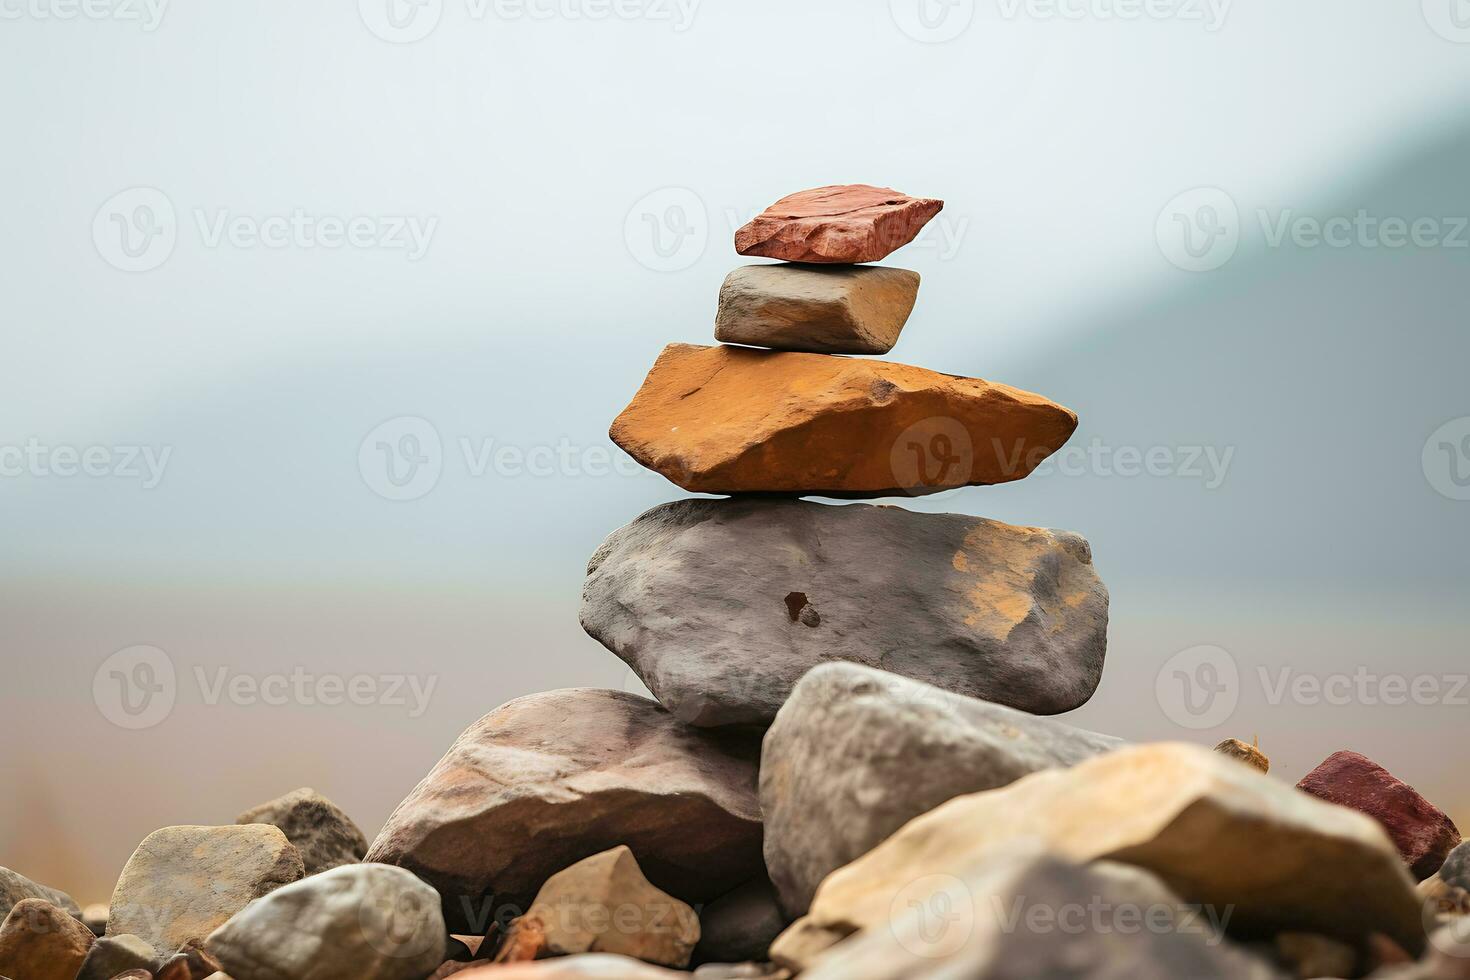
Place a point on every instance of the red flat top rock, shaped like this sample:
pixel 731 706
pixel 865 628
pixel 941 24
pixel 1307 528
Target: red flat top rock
pixel 1422 832
pixel 848 223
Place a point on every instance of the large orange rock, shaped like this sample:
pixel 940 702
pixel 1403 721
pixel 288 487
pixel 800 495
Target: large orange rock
pixel 847 224
pixel 737 420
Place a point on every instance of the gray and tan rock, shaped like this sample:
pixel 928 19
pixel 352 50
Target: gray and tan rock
pixel 16 887
pixel 721 606
pixel 112 955
pixel 731 420
pixel 1041 917
pixel 322 834
pixel 818 309
pixel 604 904
pixel 41 941
pixel 354 922
pixel 184 882
pixel 1214 831
pixel 856 753
pixel 549 779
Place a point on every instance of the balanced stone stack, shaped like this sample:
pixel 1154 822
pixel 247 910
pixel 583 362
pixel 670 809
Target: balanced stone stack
pixel 721 606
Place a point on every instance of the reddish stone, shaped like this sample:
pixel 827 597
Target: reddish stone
pixel 841 224
pixel 1421 831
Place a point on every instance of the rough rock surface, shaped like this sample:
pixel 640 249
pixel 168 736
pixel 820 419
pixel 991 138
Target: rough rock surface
pixel 721 606
pixel 1424 834
pixel 1308 955
pixel 355 922
pixel 1034 917
pixel 184 882
pixel 1250 754
pixel 112 955
pixel 842 223
pixel 324 836
pixel 740 926
pixel 738 420
pixel 603 904
pixel 549 779
pixel 1456 867
pixel 1214 831
pixel 591 966
pixel 16 887
pixel 818 309
pixel 41 941
pixel 856 753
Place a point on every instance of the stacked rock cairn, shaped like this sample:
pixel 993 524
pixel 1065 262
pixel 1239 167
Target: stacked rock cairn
pixel 848 773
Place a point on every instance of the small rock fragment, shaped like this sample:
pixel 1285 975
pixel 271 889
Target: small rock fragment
pixel 365 922
pixel 846 223
pixel 1423 833
pixel 94 917
pixel 324 836
pixel 1250 754
pixel 1456 867
pixel 603 904
pixel 41 941
pixel 818 309
pixel 184 882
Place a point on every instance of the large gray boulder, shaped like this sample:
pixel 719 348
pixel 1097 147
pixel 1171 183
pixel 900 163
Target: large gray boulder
pixel 856 753
pixel 355 922
pixel 1041 917
pixel 549 779
pixel 721 606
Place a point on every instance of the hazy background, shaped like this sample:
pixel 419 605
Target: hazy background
pixel 538 149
